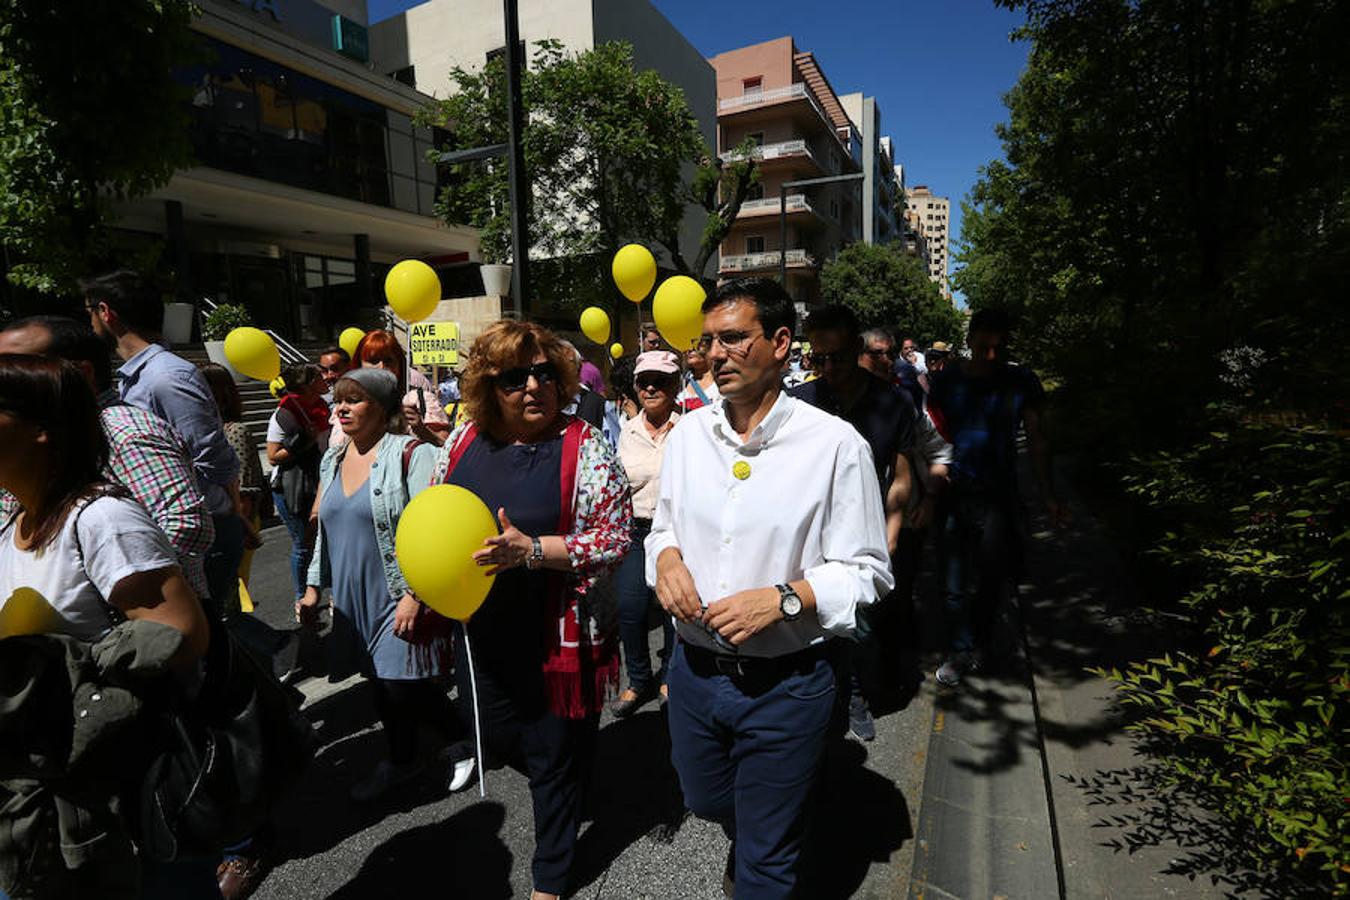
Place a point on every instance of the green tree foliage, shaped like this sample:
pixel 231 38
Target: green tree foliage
pixel 888 288
pixel 88 116
pixel 1171 225
pixel 612 156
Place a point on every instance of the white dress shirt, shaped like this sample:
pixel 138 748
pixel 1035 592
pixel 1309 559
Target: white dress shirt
pixel 809 508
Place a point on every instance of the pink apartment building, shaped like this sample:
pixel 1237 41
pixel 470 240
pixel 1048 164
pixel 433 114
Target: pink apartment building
pixel 778 96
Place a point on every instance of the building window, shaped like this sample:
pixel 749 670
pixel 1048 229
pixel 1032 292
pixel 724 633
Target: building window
pixel 754 243
pixel 755 191
pixel 757 137
pixel 406 75
pixel 834 209
pixel 752 85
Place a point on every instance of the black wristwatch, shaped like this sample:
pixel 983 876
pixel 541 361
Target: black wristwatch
pixel 789 604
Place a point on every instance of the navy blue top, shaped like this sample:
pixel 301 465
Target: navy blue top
pixel 526 479
pixel 907 378
pixel 980 418
pixel 883 415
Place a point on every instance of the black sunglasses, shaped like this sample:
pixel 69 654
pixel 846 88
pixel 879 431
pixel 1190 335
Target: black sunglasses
pixel 512 380
pixel 838 357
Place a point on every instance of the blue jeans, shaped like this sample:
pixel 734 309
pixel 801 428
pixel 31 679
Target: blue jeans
pixel 635 600
pixel 297 526
pixel 977 547
pixel 748 756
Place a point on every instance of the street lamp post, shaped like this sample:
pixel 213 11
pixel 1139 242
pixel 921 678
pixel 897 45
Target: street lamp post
pixel 514 152
pixel 782 213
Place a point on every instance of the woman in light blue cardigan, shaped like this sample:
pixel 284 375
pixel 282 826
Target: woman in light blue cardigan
pixel 379 627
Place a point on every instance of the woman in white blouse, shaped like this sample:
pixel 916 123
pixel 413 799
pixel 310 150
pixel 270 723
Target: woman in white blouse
pixel 656 375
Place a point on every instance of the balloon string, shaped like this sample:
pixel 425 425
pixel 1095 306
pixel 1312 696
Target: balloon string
pixel 477 726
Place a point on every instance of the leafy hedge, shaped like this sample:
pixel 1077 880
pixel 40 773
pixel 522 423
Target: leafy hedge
pixel 1256 719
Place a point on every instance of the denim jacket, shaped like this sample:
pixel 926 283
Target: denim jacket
pixel 388 496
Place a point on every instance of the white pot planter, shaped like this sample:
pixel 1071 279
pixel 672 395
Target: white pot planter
pixel 496 280
pixel 177 328
pixel 215 351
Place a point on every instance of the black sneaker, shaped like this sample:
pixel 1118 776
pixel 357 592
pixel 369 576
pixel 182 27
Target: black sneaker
pixel 860 719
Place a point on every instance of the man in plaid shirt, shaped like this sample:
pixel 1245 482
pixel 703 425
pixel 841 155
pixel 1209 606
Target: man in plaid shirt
pixel 145 454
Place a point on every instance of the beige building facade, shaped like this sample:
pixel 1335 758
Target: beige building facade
pixel 778 97
pixel 929 217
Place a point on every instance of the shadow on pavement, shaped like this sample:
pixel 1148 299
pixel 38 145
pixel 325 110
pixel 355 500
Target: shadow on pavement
pixel 1140 809
pixel 319 814
pixel 634 793
pixel 465 852
pixel 861 818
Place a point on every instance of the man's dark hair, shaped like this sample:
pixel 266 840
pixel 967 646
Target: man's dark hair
pixel 834 317
pixel 129 294
pixel 75 341
pixel 990 321
pixel 773 306
pixel 329 351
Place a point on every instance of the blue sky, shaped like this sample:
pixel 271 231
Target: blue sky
pixel 938 68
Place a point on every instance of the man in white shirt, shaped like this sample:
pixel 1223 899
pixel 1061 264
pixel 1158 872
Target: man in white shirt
pixel 768 535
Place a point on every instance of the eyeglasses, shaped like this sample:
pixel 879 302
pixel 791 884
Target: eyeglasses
pixel 878 353
pixel 652 384
pixel 737 342
pixel 513 380
pixel 838 357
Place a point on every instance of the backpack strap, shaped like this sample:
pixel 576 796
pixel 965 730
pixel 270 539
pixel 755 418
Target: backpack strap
pixel 408 450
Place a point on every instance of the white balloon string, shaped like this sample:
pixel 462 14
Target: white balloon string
pixel 477 726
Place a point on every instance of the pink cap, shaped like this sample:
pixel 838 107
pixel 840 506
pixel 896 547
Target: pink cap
pixel 663 361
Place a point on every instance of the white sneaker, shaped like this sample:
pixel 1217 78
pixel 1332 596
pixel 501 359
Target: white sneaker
pixel 956 667
pixel 460 775
pixel 386 777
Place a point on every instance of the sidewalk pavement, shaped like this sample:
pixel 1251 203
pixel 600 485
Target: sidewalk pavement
pixel 1033 787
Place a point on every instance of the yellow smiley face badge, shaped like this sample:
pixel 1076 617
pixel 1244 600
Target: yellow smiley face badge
pixel 741 470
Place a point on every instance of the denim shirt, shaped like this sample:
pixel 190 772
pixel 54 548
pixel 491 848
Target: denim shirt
pixel 176 391
pixel 388 497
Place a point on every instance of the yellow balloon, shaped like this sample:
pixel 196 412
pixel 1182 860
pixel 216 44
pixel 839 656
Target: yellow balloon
pixel 412 289
pixel 276 385
pixel 436 538
pixel 349 338
pixel 615 350
pixel 634 271
pixel 253 352
pixel 595 324
pixel 28 612
pixel 678 311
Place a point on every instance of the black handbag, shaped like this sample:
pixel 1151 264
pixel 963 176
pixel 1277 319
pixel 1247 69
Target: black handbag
pixel 226 757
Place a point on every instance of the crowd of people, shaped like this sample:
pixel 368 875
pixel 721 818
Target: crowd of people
pixel 763 499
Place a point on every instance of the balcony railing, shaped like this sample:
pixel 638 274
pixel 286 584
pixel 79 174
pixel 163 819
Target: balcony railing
pixel 754 262
pixel 795 203
pixel 795 91
pixel 778 150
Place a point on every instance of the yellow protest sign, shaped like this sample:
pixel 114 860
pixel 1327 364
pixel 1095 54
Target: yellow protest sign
pixel 434 343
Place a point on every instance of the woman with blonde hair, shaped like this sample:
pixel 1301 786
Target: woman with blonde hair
pixel 544 663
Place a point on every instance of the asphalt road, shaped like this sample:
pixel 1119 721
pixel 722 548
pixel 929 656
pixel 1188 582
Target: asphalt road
pixel 637 842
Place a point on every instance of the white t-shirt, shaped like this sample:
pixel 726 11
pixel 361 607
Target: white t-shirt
pixel 117 538
pixel 282 425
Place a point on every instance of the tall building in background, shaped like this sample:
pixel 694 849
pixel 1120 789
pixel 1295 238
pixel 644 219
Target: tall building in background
pixel 928 215
pixel 421 45
pixel 882 212
pixel 778 97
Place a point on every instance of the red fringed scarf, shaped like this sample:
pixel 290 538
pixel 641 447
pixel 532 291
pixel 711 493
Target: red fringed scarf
pixel 578 671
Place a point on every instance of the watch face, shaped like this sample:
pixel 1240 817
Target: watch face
pixel 792 605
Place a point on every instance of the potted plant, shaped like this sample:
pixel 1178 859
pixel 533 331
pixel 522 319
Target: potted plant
pixel 218 323
pixel 177 326
pixel 495 270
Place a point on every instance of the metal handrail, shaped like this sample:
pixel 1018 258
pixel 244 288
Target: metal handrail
pixel 287 353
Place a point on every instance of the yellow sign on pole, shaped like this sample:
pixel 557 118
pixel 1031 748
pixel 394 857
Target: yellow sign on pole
pixel 434 343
